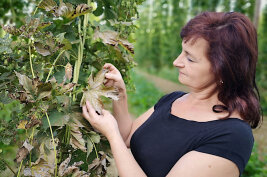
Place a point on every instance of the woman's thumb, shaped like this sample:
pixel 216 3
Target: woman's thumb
pixel 110 76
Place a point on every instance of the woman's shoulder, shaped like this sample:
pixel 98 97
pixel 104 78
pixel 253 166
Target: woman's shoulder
pixel 233 129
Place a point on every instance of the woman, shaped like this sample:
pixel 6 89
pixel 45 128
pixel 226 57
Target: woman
pixel 203 133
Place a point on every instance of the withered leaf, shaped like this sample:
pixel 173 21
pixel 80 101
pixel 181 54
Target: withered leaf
pixel 11 30
pixel 23 151
pixel 22 124
pixel 65 9
pixel 82 9
pixel 48 5
pixel 26 83
pixel 112 38
pixel 40 168
pixel 76 140
pixel 44 25
pixel 99 165
pixel 97 89
pixel 42 49
pixel 65 169
pixel 32 123
pixel 68 71
pixel 44 90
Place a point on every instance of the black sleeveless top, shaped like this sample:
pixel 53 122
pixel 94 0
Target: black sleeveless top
pixel 164 138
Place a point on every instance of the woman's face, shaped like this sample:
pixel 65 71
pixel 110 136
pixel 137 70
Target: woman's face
pixel 194 66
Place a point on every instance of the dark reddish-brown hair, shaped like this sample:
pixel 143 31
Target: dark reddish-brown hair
pixel 233 53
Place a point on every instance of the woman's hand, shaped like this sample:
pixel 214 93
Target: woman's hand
pixel 114 78
pixel 105 123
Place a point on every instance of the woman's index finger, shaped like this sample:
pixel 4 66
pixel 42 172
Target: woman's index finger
pixel 108 66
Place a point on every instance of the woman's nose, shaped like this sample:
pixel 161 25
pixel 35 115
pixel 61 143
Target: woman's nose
pixel 178 61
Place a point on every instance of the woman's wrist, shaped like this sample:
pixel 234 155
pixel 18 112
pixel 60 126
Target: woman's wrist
pixel 113 136
pixel 122 96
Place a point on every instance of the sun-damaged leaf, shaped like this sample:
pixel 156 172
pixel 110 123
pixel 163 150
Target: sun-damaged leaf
pixel 44 90
pixel 68 71
pixel 44 25
pixel 40 168
pixel 76 140
pixel 112 169
pixel 11 30
pixel 100 165
pixel 65 9
pixel 48 5
pixel 97 89
pixel 65 169
pixel 42 49
pixel 112 38
pixel 22 124
pixel 23 151
pixel 33 122
pixel 26 83
pixel 81 9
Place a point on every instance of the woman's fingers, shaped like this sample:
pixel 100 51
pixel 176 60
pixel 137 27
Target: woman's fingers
pixel 109 66
pixel 109 83
pixel 85 113
pixel 105 112
pixel 91 110
pixel 112 76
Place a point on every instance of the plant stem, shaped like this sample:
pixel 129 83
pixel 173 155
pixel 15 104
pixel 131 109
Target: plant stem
pixel 37 7
pixel 31 141
pixel 30 55
pixel 54 65
pixel 8 166
pixel 82 37
pixel 94 147
pixel 53 143
pixel 19 168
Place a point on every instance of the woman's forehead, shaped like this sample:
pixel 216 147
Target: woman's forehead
pixel 198 43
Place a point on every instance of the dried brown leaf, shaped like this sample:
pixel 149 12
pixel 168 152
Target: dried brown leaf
pixel 48 5
pixel 76 140
pixel 11 30
pixel 68 71
pixel 40 168
pixel 26 83
pixel 23 151
pixel 65 169
pixel 97 89
pixel 32 123
pixel 22 124
pixel 42 49
pixel 112 38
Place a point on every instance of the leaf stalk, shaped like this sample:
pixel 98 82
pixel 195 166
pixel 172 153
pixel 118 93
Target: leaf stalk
pixel 30 55
pixel 51 69
pixel 51 131
pixel 19 168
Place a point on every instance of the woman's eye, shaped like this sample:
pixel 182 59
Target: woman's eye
pixel 189 59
